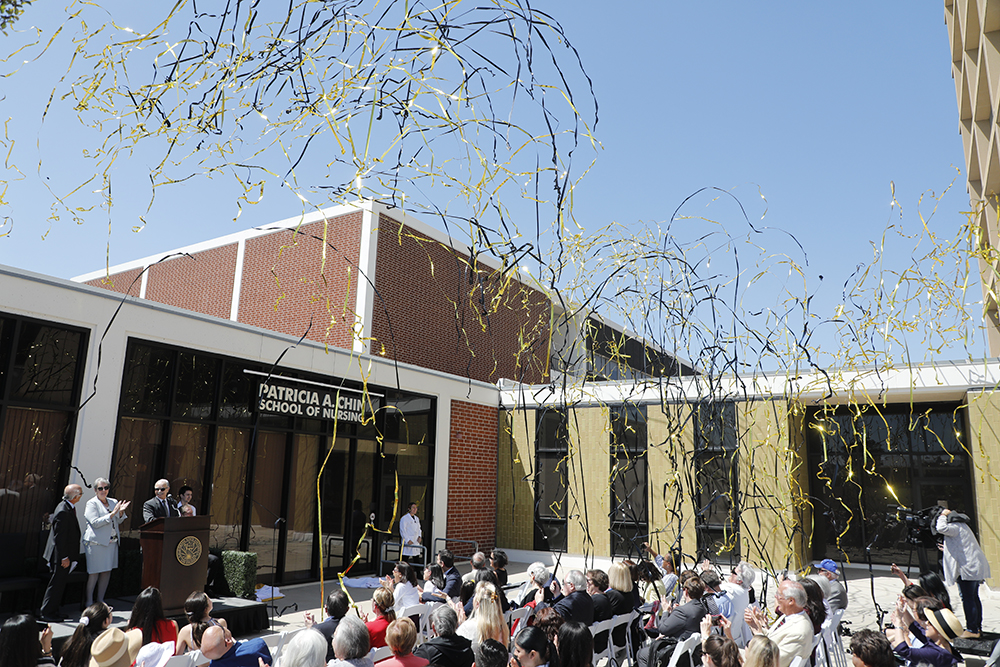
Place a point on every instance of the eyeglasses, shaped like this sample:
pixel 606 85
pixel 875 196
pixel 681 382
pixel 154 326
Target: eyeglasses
pixel 103 488
pixel 163 488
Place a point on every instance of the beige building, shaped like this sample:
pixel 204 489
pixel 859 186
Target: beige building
pixel 776 471
pixel 974 37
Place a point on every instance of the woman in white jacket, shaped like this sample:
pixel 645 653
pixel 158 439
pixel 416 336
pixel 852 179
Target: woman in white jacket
pixel 100 539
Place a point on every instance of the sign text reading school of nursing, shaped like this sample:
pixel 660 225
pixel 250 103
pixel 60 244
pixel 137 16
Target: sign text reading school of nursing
pixel 318 404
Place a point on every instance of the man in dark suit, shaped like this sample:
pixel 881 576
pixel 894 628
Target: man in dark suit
pixel 159 506
pixel 574 604
pixel 62 548
pixel 685 620
pixel 337 605
pixel 446 649
pixel 452 579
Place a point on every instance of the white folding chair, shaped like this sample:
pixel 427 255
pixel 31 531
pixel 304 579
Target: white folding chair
pixel 273 642
pixel 833 647
pixel 994 658
pixel 422 612
pixel 818 651
pixel 197 659
pixel 381 653
pixel 685 648
pixel 616 649
pixel 184 660
pixel 515 617
pixel 595 630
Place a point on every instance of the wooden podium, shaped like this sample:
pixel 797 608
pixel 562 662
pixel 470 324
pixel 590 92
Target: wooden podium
pixel 175 558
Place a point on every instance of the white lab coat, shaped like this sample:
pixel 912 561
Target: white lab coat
pixel 409 531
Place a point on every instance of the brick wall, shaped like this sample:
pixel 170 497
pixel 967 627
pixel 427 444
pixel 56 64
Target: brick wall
pixel 472 474
pixel 119 282
pixel 285 284
pixel 439 312
pixel 202 282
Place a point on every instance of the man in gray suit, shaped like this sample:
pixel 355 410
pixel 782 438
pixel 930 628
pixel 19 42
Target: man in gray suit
pixel 62 548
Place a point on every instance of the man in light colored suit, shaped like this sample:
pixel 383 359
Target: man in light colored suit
pixel 793 632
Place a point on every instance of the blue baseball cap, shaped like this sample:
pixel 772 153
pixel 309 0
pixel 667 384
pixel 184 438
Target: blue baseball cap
pixel 829 564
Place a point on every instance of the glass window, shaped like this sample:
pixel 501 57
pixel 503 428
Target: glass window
pixel 716 482
pixel 269 474
pixel 407 419
pixel 34 443
pixel 134 469
pixel 147 380
pixel 335 503
pixel 406 460
pixel 302 504
pixel 6 343
pixel 185 464
pixel 629 488
pixel 865 462
pixel 228 486
pixel 45 364
pixel 196 378
pixel 551 482
pixel 238 391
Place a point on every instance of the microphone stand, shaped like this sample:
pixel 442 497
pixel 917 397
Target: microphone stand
pixel 272 605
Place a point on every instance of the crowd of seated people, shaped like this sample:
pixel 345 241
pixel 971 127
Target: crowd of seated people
pixel 666 604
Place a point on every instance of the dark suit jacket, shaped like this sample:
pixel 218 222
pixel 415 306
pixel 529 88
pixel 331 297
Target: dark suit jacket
pixel 152 509
pixel 602 607
pixel 683 621
pixel 327 628
pixel 64 537
pixel 577 606
pixel 452 587
pixel 447 651
pixel 452 583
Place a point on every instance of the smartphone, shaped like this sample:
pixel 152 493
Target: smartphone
pixel 41 625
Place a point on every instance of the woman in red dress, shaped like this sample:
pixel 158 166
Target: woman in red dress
pixel 147 615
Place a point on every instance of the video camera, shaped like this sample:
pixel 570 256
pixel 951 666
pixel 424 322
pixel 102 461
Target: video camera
pixel 919 524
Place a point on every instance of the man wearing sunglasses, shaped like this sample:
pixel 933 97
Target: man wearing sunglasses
pixel 160 505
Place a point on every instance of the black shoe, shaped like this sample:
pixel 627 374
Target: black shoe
pixel 52 619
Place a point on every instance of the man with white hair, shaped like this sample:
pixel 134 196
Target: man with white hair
pixel 446 649
pixel 478 562
pixel 793 632
pixel 574 604
pixel 62 548
pixel 737 585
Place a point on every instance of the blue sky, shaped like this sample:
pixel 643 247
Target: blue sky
pixel 816 106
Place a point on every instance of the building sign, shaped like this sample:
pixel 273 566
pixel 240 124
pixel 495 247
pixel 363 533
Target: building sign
pixel 312 402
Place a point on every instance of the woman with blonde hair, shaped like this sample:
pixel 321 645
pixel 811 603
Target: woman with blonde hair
pixel 382 603
pixel 487 618
pixel 761 652
pixel 402 637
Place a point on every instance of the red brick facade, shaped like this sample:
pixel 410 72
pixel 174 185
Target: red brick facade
pixel 119 282
pixel 286 285
pixel 472 474
pixel 202 283
pixel 432 308
pixel 445 314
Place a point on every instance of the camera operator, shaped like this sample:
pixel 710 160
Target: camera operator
pixel 964 564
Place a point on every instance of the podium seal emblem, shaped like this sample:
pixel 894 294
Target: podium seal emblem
pixel 188 550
